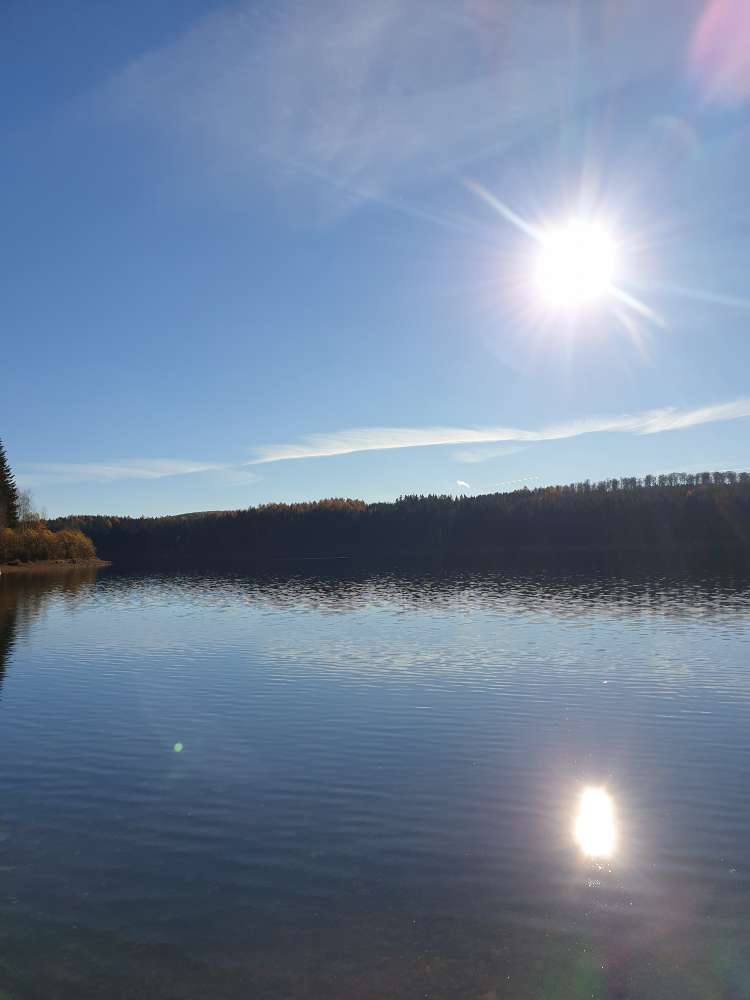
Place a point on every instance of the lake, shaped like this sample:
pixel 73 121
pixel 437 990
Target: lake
pixel 375 786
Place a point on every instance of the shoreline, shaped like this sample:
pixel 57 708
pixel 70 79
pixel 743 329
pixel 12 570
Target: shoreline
pixel 52 566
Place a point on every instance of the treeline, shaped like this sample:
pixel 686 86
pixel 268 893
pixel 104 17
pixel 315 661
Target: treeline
pixel 663 479
pixel 668 513
pixel 24 536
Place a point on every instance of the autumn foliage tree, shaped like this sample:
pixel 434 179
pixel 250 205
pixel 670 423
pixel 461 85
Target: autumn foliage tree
pixel 24 536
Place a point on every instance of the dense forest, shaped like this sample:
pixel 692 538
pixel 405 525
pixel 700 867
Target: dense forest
pixel 673 513
pixel 24 535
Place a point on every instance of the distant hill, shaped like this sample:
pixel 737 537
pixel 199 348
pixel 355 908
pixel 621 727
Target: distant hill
pixel 708 512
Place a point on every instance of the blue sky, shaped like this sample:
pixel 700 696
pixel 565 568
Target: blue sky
pixel 256 252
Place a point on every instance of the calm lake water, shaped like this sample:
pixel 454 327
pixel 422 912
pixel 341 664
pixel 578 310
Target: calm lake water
pixel 225 787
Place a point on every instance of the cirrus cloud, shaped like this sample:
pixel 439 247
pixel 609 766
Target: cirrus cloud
pixel 42 473
pixel 345 442
pixel 366 99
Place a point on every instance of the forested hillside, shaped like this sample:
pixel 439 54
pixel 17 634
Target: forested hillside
pixel 678 512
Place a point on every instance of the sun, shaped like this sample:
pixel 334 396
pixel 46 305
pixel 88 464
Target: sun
pixel 576 271
pixel 576 265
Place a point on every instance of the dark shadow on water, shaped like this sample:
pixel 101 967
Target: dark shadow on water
pixel 7 631
pixel 24 597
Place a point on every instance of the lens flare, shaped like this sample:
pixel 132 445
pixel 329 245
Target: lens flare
pixel 576 264
pixel 595 824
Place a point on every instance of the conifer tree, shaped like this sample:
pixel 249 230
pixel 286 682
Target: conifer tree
pixel 8 491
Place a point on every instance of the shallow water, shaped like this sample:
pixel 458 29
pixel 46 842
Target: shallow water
pixel 367 787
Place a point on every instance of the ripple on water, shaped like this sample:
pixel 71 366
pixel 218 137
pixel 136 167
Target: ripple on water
pixel 376 784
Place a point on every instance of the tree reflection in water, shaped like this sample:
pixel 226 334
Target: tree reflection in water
pixel 23 598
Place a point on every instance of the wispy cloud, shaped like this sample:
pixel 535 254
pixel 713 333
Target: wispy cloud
pixel 522 481
pixel 43 473
pixel 345 442
pixel 370 98
pixel 473 455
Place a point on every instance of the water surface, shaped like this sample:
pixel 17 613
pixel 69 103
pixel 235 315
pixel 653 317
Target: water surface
pixel 367 787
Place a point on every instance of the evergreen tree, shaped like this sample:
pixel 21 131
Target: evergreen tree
pixel 8 490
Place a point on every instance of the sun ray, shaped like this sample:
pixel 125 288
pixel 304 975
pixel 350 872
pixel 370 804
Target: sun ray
pixel 700 295
pixel 507 213
pixel 637 306
pixel 634 331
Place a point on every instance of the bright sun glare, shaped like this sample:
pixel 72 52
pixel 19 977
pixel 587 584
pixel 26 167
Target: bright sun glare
pixel 595 824
pixel 576 265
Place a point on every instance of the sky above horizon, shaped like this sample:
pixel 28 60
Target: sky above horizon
pixel 280 251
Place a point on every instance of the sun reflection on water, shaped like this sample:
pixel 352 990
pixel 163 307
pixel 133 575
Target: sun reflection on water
pixel 595 824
